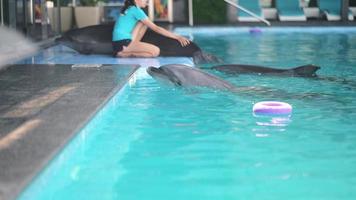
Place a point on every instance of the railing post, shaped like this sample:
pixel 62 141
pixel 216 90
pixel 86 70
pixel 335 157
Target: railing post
pixel 59 18
pixel 191 18
pixel 345 10
pixel 2 13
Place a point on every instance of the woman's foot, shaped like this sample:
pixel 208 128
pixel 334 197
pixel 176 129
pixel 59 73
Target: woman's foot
pixel 122 54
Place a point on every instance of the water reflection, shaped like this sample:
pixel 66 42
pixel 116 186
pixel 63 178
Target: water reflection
pixel 267 124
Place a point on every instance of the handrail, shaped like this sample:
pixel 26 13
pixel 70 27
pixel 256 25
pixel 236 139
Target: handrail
pixel 248 12
pixel 2 13
pixel 190 13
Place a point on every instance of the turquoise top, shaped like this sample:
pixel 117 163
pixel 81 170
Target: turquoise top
pixel 127 22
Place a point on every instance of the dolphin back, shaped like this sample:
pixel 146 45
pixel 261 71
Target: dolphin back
pixel 303 71
pixel 97 39
pixel 89 40
pixel 90 34
pixel 169 46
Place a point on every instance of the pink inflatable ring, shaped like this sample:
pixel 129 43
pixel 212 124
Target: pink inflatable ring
pixel 272 108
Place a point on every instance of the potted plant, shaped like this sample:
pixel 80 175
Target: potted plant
pixel 88 13
pixel 66 15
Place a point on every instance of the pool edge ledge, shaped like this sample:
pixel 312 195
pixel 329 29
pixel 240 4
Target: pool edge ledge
pixel 59 123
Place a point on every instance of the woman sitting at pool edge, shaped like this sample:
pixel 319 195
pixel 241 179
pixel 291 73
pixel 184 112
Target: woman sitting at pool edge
pixel 130 28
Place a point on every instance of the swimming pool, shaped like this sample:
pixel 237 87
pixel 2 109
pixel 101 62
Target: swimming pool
pixel 157 142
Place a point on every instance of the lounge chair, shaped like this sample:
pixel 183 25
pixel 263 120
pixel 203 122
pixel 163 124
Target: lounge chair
pixel 251 5
pixel 352 13
pixel 290 10
pixel 311 10
pixel 331 8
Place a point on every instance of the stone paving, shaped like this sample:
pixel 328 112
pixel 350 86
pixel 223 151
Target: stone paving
pixel 42 106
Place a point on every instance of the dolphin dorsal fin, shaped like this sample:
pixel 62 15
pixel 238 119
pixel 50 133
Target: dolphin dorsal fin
pixel 306 70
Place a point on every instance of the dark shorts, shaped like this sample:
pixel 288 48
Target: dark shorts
pixel 118 46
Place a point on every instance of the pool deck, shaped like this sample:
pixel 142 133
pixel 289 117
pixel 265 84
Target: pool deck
pixel 42 107
pixel 46 99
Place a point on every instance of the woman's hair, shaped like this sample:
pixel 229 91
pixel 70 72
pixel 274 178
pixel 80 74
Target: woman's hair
pixel 127 4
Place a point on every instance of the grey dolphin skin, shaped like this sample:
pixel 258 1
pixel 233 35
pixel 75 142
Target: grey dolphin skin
pixel 182 75
pixel 185 76
pixel 306 71
pixel 97 40
pixel 302 71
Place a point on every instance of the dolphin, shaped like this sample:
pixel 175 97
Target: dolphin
pixel 183 75
pixel 97 39
pixel 306 71
pixel 301 71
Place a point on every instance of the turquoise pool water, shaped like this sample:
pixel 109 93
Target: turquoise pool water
pixel 157 142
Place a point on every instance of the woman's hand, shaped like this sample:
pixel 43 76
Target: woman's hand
pixel 183 41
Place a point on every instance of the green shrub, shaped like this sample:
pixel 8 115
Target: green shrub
pixel 209 11
pixel 62 2
pixel 90 2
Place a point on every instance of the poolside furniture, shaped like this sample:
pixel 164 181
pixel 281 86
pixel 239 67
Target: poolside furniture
pixel 251 5
pixel 352 13
pixel 311 10
pixel 331 8
pixel 290 10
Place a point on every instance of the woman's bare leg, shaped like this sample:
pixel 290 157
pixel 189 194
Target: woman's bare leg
pixel 139 49
pixel 136 47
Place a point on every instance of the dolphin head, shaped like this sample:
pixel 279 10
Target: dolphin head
pixel 163 73
pixel 307 70
pixel 186 76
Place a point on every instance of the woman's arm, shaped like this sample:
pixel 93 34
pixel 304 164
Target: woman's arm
pixel 182 40
pixel 138 31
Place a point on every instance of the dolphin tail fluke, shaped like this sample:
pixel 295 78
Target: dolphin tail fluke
pixel 306 70
pixel 61 40
pixel 200 57
pixel 83 48
pixel 64 41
